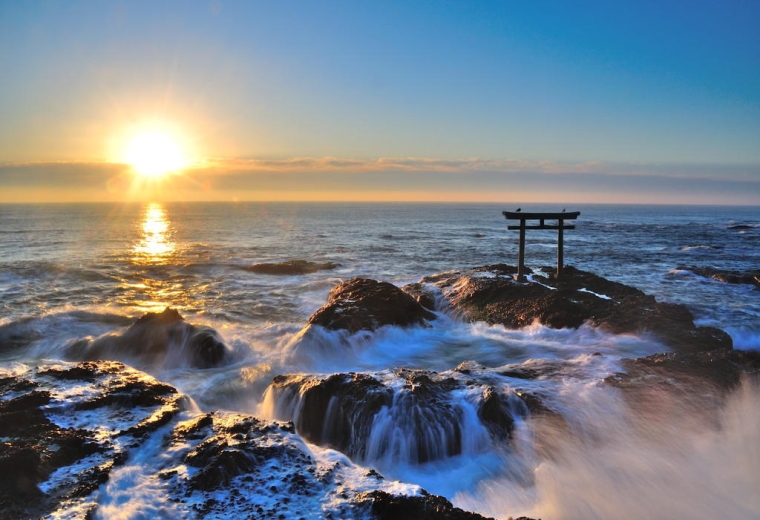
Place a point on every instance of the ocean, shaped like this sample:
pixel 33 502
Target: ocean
pixel 74 271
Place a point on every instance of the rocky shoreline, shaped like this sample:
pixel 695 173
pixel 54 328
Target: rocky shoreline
pixel 69 430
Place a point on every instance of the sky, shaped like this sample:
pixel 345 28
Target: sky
pixel 478 101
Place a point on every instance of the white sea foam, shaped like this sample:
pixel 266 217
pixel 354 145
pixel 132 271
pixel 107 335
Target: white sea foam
pixel 630 463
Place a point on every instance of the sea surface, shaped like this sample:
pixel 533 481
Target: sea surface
pixel 69 272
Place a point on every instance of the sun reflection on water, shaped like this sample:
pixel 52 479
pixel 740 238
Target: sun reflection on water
pixel 155 245
pixel 154 285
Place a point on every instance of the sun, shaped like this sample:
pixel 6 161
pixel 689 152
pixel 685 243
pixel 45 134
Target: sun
pixel 154 153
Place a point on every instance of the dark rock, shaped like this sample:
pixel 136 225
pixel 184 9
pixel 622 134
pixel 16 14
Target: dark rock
pixel 412 416
pixel 35 445
pixel 157 339
pixel 741 226
pixel 721 369
pixel 498 411
pixel 364 304
pixel 292 267
pixel 337 411
pixel 423 296
pixel 575 298
pixel 721 275
pixel 384 506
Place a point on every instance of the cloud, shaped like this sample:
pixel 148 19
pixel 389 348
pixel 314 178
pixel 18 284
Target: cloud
pixel 747 173
pixel 59 174
pixel 405 178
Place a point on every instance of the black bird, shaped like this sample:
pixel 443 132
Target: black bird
pixel 518 210
pixel 563 210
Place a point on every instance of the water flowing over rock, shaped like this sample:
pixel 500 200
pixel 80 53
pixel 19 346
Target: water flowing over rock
pixel 160 340
pixel 98 439
pixel 291 267
pixel 53 452
pixel 401 416
pixel 490 294
pixel 363 304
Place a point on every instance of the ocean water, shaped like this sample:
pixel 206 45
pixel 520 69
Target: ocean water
pixel 69 272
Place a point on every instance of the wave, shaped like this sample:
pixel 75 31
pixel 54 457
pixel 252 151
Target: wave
pixel 655 460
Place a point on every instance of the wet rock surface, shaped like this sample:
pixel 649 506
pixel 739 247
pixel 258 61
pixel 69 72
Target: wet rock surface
pixel 490 294
pixel 77 437
pixel 412 416
pixel 52 452
pixel 291 267
pixel 162 339
pixel 383 506
pixel 720 369
pixel 726 276
pixel 363 304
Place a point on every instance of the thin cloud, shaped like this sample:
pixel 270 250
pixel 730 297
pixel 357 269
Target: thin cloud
pixel 470 165
pixel 68 173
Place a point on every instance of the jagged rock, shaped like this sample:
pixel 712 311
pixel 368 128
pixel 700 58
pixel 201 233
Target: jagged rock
pixel 157 339
pixel 722 369
pixel 726 276
pixel 498 411
pixel 423 296
pixel 490 294
pixel 67 430
pixel 412 416
pixel 241 467
pixel 384 506
pixel 334 411
pixel 41 432
pixel 363 304
pixel 291 267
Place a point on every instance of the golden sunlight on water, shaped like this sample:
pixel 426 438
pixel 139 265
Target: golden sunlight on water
pixel 155 245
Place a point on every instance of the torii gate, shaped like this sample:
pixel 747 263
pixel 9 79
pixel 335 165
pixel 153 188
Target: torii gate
pixel 541 217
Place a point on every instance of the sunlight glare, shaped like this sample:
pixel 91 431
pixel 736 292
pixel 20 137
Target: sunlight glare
pixel 154 154
pixel 155 245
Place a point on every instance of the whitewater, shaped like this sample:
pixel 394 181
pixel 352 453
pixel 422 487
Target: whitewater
pixel 74 274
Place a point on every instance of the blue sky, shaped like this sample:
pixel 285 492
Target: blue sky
pixel 666 94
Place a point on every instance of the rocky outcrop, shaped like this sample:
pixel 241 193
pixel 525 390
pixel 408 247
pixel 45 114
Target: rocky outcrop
pixel 363 304
pixel 46 425
pixel 720 369
pixel 291 267
pixel 76 437
pixel 491 294
pixel 384 506
pixel 726 276
pixel 160 340
pixel 407 416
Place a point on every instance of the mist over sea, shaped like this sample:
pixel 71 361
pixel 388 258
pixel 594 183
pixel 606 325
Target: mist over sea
pixel 70 272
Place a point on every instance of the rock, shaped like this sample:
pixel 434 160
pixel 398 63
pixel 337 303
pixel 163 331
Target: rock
pixel 337 411
pixel 43 430
pixel 363 304
pixel 157 340
pixel 69 429
pixel 291 267
pixel 741 226
pixel 490 294
pixel 422 295
pixel 384 506
pixel 241 467
pixel 409 416
pixel 498 411
pixel 726 276
pixel 721 369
